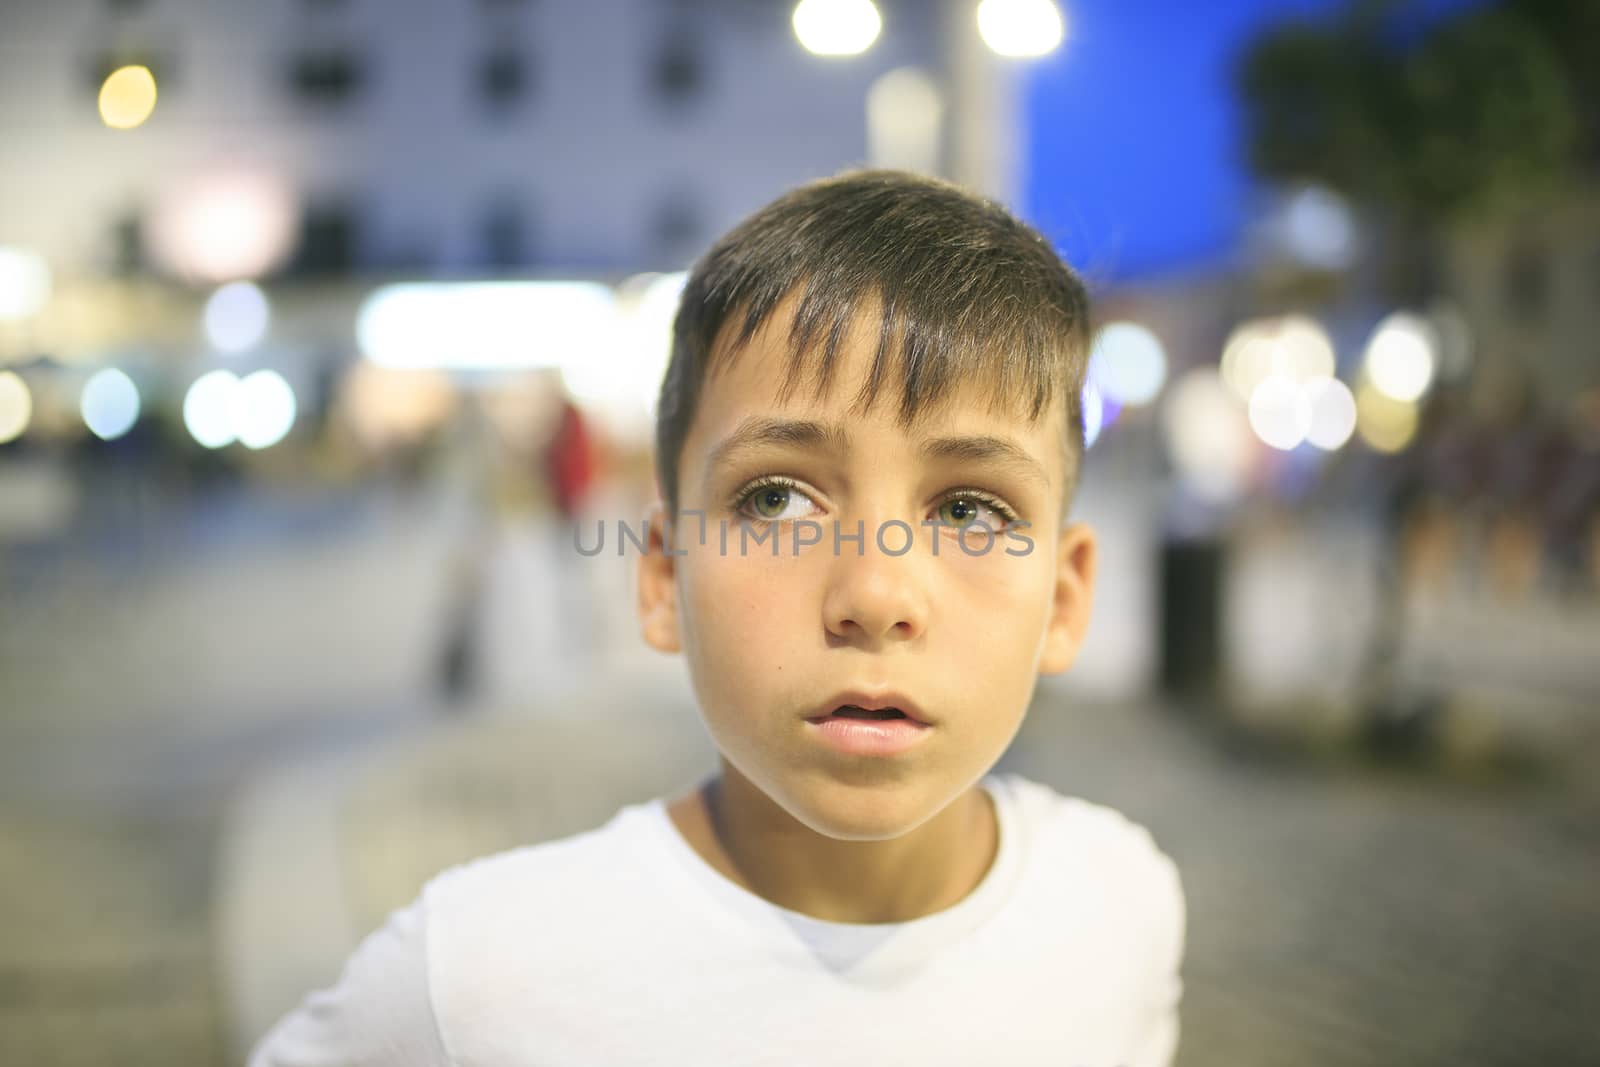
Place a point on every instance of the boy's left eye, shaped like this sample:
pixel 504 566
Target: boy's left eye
pixel 964 509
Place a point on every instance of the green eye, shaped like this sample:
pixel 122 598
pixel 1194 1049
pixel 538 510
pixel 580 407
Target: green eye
pixel 959 511
pixel 962 509
pixel 770 501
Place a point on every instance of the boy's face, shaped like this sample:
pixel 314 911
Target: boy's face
pixel 772 639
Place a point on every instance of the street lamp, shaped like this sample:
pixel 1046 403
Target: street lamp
pixel 837 27
pixel 1020 29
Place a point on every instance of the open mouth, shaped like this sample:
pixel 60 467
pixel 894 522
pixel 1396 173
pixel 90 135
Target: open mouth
pixel 850 711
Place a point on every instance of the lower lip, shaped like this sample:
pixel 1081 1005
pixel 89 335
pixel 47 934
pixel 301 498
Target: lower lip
pixel 869 737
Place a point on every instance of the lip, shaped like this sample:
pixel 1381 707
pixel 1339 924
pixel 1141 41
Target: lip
pixel 868 737
pixel 874 701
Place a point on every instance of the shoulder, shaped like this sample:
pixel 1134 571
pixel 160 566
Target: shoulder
pixel 1088 841
pixel 476 908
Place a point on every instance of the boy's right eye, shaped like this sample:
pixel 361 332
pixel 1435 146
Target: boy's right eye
pixel 774 501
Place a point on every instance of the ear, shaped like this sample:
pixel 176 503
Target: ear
pixel 1073 600
pixel 658 587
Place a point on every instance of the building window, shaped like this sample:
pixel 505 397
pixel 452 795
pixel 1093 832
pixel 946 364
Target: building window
pixel 326 78
pixel 678 76
pixel 505 238
pixel 328 238
pixel 677 227
pixel 503 80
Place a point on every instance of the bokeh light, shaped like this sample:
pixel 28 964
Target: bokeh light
pixel 1208 434
pixel 384 407
pixel 127 97
pixel 478 326
pixel 837 27
pixel 1387 424
pixel 16 406
pixel 1094 414
pixel 1295 347
pixel 224 227
pixel 1454 336
pixel 24 283
pixel 1128 363
pixel 1280 413
pixel 264 409
pixel 1402 356
pixel 1319 229
pixel 622 385
pixel 905 116
pixel 237 317
pixel 1333 413
pixel 110 404
pixel 1021 28
pixel 208 409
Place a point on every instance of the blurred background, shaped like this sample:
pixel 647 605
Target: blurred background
pixel 323 321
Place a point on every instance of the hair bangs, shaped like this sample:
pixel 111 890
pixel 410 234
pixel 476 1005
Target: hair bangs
pixel 969 301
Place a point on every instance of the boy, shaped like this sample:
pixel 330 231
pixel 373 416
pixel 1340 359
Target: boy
pixel 868 437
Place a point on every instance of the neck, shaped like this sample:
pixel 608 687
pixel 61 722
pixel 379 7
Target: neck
pixel 754 842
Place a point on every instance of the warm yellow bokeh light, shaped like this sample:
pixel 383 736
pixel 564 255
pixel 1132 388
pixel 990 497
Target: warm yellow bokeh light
pixel 16 406
pixel 128 97
pixel 1383 422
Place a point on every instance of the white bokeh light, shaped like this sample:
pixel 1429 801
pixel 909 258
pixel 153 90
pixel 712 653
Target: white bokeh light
pixel 208 409
pixel 476 326
pixel 24 283
pixel 1128 363
pixel 620 383
pixel 1333 413
pixel 264 409
pixel 1401 356
pixel 237 317
pixel 1280 413
pixel 110 404
pixel 1295 347
pixel 16 406
pixel 1021 28
pixel 224 226
pixel 1319 228
pixel 1094 414
pixel 837 27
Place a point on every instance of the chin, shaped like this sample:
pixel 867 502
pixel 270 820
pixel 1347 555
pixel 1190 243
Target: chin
pixel 869 812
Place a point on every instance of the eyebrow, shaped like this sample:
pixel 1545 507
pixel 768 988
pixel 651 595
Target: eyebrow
pixel 759 431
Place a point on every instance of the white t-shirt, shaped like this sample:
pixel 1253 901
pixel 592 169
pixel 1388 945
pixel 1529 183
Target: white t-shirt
pixel 623 946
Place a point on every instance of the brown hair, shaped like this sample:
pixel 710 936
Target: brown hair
pixel 963 289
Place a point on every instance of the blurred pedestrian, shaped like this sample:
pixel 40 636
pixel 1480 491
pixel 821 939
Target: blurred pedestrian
pixel 571 464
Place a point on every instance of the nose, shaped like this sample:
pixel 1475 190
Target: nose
pixel 875 598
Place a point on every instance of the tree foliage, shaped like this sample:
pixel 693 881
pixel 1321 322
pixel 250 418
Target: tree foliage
pixel 1486 108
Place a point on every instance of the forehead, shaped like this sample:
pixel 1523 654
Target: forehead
pixel 859 363
pixel 856 401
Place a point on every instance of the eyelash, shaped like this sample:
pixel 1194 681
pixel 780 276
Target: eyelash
pixel 982 496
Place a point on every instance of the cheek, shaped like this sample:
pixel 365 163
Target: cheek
pixel 1012 591
pixel 1001 609
pixel 744 612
